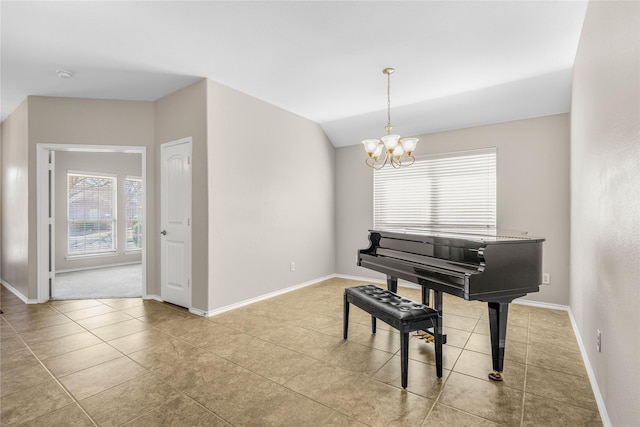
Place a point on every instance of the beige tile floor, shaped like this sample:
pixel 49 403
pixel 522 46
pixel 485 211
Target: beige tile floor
pixel 280 362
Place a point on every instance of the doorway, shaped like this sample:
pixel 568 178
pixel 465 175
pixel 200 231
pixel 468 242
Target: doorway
pixel 82 251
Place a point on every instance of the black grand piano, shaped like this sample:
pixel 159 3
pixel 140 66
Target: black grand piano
pixel 493 268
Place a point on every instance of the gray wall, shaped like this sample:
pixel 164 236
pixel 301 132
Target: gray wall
pixel 17 210
pixel 86 122
pixel 179 115
pixel 605 201
pixel 121 165
pixel 271 198
pixel 533 191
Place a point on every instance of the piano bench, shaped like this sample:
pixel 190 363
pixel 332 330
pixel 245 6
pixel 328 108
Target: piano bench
pixel 403 314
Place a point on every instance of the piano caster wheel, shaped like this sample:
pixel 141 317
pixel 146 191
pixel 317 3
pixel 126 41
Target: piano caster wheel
pixel 495 376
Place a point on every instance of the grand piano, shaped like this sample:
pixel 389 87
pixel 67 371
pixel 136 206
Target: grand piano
pixel 494 268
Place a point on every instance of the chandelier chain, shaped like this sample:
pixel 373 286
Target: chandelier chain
pixel 388 103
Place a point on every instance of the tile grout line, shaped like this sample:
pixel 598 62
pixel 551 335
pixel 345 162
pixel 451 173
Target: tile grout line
pixel 74 400
pixel 437 399
pixel 147 372
pixel 526 369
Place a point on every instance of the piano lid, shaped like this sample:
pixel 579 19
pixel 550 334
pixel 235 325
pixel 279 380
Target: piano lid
pixel 488 236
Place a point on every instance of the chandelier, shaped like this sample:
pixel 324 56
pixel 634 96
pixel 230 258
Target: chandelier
pixel 394 151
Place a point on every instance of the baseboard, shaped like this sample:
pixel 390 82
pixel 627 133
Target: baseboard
pixel 97 267
pixel 199 312
pixel 17 293
pixel 153 297
pixel 382 282
pixel 249 301
pixel 541 304
pixel 604 416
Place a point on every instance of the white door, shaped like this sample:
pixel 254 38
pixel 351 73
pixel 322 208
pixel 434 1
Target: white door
pixel 175 222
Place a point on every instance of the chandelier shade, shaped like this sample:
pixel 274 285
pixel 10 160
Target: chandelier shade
pixel 390 149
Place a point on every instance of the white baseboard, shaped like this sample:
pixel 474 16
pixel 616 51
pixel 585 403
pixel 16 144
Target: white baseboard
pixel 17 293
pixel 259 298
pixel 153 297
pixel 604 416
pixel 97 267
pixel 361 278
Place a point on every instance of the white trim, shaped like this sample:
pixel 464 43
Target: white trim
pixel 604 416
pixel 91 255
pixel 18 293
pixel 259 298
pixel 97 267
pixel 42 223
pixel 152 297
pixel 42 200
pixel 541 304
pixel 362 279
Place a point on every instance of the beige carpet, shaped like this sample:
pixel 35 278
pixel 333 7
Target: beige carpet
pixel 110 282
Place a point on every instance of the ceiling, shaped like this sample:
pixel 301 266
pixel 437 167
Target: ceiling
pixel 458 63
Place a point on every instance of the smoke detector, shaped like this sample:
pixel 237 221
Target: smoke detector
pixel 64 74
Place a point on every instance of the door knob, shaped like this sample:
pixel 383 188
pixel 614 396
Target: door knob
pixel 163 232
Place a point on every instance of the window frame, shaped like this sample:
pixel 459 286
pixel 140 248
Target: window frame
pixel 113 250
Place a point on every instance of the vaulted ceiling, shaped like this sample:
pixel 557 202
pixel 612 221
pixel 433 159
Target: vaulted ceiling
pixel 458 63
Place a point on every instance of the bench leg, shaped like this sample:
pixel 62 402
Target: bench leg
pixel 404 357
pixel 345 318
pixel 373 325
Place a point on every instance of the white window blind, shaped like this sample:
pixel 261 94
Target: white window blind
pixel 91 213
pixel 133 196
pixel 450 192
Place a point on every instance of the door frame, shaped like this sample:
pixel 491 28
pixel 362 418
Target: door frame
pixel 45 239
pixel 186 140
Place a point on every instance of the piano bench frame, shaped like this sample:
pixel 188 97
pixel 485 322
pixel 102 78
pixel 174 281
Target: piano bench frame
pixel 403 314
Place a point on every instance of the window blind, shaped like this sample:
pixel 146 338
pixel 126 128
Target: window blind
pixel 450 192
pixel 133 195
pixel 91 213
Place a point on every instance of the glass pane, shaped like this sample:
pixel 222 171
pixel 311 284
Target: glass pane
pixel 133 195
pixel 91 213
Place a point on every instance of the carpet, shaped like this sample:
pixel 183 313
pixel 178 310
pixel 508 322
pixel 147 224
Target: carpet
pixel 109 282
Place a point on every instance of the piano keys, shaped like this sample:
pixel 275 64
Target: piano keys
pixel 492 268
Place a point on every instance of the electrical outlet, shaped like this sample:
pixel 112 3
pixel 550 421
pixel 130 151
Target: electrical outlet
pixel 599 340
pixel 545 278
pixel 292 267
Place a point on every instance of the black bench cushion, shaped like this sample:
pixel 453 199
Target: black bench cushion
pixel 388 303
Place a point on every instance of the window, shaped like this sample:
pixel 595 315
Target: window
pixel 91 211
pixel 133 196
pixel 450 192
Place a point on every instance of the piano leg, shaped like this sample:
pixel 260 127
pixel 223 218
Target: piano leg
pixel 425 295
pixel 498 312
pixel 392 284
pixel 439 337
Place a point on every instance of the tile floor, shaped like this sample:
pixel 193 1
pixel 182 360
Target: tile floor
pixel 280 362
